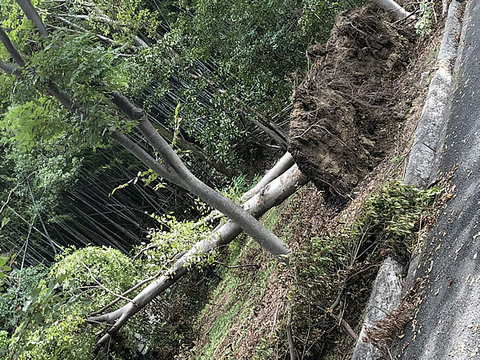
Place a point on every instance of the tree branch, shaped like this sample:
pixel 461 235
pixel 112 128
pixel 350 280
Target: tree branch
pixel 252 227
pixel 32 14
pixel 11 49
pixel 273 194
pixel 163 170
pixel 126 106
pixel 9 69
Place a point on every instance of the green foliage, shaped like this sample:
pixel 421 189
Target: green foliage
pixel 116 19
pixel 424 24
pixel 31 181
pixel 20 284
pixel 342 266
pixel 237 187
pixel 6 262
pixel 87 71
pixel 392 214
pixel 91 266
pixel 4 341
pixel 34 123
pixel 51 326
pixel 175 237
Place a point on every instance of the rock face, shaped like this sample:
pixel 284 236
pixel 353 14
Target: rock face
pixel 386 297
pixel 345 112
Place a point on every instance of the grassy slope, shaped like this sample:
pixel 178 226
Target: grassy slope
pixel 226 323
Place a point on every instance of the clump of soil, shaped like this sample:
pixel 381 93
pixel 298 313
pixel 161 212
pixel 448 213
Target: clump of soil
pixel 346 109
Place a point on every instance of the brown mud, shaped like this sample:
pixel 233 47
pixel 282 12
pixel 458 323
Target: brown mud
pixel 347 108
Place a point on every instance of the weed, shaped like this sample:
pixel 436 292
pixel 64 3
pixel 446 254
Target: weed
pixel 332 274
pixel 424 25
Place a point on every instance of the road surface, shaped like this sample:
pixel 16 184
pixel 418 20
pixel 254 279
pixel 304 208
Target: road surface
pixel 447 325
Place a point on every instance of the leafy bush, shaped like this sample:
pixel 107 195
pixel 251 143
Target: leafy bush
pixel 390 217
pixel 51 326
pixel 20 284
pixel 52 323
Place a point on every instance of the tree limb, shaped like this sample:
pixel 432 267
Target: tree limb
pixel 32 14
pixel 11 49
pixel 282 165
pixel 252 227
pixel 391 6
pixel 9 69
pixel 273 194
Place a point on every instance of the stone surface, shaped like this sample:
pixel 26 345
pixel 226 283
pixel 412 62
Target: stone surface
pixel 447 322
pixel 385 297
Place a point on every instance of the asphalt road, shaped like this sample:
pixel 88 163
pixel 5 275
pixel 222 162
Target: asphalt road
pixel 447 325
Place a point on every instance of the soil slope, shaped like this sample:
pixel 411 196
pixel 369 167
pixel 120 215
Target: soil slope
pixel 347 109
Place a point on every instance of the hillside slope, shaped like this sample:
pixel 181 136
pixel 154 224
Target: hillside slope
pixel 262 310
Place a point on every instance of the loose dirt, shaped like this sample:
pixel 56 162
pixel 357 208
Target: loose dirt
pixel 347 110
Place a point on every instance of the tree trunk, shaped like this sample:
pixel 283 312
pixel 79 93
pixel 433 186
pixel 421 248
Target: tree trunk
pixel 282 165
pixel 271 195
pixel 391 6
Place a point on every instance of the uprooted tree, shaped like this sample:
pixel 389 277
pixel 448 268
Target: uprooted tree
pixel 124 115
pixel 115 115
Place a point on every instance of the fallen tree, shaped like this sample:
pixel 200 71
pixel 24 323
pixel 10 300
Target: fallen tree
pixel 271 195
pixel 169 166
pixel 282 165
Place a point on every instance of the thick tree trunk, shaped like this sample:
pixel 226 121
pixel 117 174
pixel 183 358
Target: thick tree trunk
pixel 391 6
pixel 272 195
pixel 282 165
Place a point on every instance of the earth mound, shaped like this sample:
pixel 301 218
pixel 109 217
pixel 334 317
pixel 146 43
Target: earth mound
pixel 346 109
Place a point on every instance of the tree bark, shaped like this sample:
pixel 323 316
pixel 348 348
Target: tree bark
pixel 32 14
pixel 271 195
pixel 391 6
pixel 11 49
pixel 9 69
pixel 282 165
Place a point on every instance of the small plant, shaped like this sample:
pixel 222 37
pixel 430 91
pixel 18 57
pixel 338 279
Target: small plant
pixel 424 25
